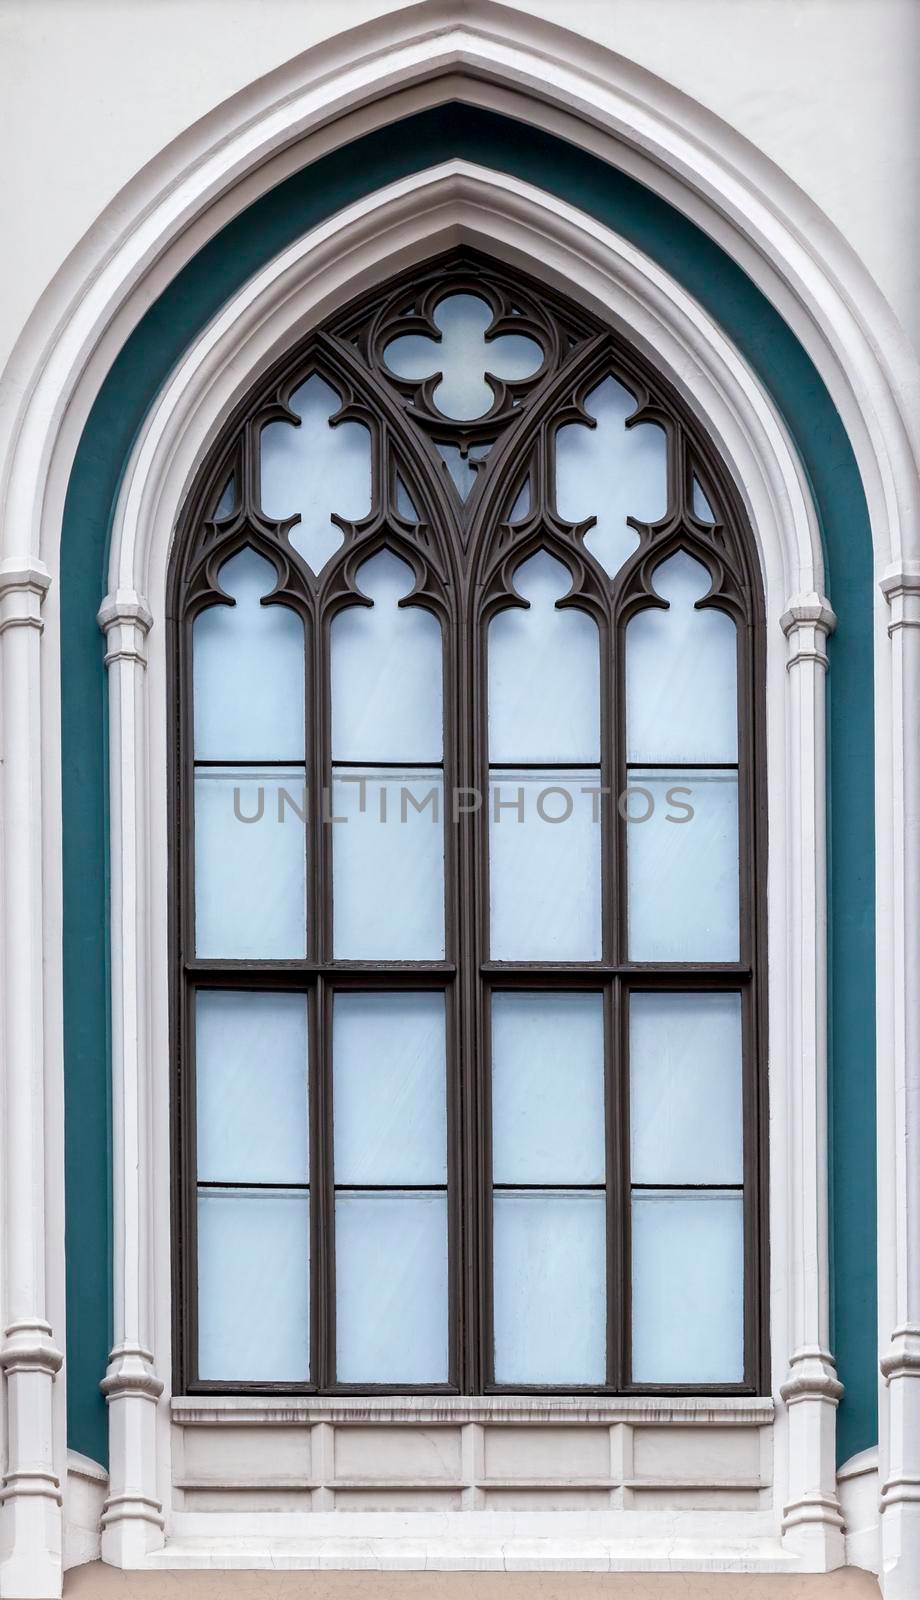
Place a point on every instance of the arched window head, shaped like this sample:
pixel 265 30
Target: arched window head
pixel 468 867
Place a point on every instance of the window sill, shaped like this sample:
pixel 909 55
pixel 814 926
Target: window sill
pixel 303 1410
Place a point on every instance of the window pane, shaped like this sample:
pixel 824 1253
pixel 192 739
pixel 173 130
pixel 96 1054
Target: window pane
pixel 687 1288
pixel 549 1287
pixel 685 1088
pixel 701 506
pixel 544 673
pixel 313 471
pixel 250 868
pixel 251 1087
pixel 389 1088
pixel 544 876
pixel 681 672
pixel 388 865
pixel 462 467
pixel 548 1088
pixel 391 1288
pixel 611 472
pixel 253 1285
pixel 248 671
pixel 386 671
pixel 463 356
pixel 683 874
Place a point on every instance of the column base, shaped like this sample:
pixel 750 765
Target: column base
pixel 132 1519
pixel 813 1524
pixel 32 1522
pixel 900 1496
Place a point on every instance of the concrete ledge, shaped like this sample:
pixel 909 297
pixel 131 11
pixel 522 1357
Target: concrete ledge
pixel 98 1582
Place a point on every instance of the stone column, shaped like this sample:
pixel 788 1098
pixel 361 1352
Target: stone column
pixel 899 1100
pixel 132 1519
pixel 31 1563
pixel 812 1520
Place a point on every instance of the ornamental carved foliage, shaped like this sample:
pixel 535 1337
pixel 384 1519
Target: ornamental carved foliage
pixel 465 416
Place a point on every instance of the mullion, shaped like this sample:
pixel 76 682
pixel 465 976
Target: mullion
pixel 392 1188
pixel 389 766
pixel 245 1183
pixel 682 766
pixel 555 1187
pixel 249 763
pixel 545 766
pixel 690 1188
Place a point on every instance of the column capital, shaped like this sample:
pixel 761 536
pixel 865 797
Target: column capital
pixel 130 1371
pixel 812 1376
pixel 900 584
pixel 902 1358
pixel 24 582
pixel 29 1346
pixel 807 622
pixel 126 619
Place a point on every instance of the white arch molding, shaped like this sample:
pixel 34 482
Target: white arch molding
pixel 405 222
pixel 486 55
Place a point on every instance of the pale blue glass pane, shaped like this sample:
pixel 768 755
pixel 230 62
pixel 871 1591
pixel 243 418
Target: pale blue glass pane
pixel 549 1287
pixel 389 1088
pixel 544 876
pixel 521 508
pixel 314 471
pixel 463 356
pixel 544 673
pixel 387 699
pixel 388 865
pixel 687 1287
pixel 548 1088
pixel 404 502
pixel 251 1087
pixel 683 874
pixel 254 1285
pixel 248 670
pixel 701 506
pixel 391 1288
pixel 681 673
pixel 250 868
pixel 685 1088
pixel 611 472
pixel 462 468
pixel 226 505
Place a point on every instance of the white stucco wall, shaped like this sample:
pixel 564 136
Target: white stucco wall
pixel 91 90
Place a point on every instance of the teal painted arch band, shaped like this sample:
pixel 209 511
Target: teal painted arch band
pixel 139 372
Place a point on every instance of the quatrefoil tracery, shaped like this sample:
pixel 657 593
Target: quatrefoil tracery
pixel 464 415
pixel 466 363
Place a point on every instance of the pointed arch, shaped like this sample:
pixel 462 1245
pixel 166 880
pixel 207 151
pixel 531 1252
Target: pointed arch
pixel 626 119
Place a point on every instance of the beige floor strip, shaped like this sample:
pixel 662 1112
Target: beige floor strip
pixel 97 1582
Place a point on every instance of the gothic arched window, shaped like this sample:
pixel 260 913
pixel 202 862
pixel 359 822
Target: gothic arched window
pixel 468 867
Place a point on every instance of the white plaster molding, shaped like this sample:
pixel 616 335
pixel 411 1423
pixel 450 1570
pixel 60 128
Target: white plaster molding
pixel 32 1542
pixel 899 1147
pixel 717 1411
pixel 413 219
pixel 385 232
pixel 857 1487
pixel 87 1482
pixel 812 1519
pixel 132 1517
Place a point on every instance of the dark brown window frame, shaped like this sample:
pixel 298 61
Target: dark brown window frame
pixel 463 556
